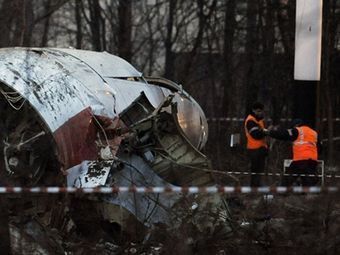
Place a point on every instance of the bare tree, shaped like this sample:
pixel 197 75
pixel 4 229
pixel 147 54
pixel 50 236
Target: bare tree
pixel 228 55
pixel 169 54
pixel 79 31
pixel 251 49
pixel 268 64
pixel 96 23
pixel 124 30
pixel 28 23
pixel 330 25
pixel 19 22
pixel 6 21
pixel 44 39
pixel 205 10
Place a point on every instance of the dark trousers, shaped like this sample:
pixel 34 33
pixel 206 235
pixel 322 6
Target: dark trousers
pixel 304 167
pixel 257 165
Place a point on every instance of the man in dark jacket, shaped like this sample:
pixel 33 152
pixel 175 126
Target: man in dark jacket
pixel 305 152
pixel 256 143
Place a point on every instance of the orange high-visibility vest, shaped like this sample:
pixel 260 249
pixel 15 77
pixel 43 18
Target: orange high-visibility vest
pixel 251 142
pixel 305 145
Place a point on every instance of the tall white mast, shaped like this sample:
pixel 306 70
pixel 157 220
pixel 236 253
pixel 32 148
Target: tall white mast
pixel 308 34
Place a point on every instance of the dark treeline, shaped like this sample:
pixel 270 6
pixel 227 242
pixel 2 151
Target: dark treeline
pixel 226 53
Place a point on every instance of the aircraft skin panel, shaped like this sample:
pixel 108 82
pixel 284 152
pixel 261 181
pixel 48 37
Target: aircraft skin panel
pixel 115 94
pixel 76 139
pixel 128 91
pixel 60 86
pixel 105 64
pixel 56 95
pixel 103 94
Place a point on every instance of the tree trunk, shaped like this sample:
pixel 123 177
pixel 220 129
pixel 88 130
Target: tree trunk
pixel 124 29
pixel 151 48
pixel 169 55
pixel 251 49
pixel 286 27
pixel 44 38
pixel 329 30
pixel 228 56
pixel 267 80
pixel 203 20
pixel 6 20
pixel 19 30
pixel 79 33
pixel 28 23
pixel 95 24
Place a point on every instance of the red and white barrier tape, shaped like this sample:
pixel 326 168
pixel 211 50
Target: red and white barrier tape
pixel 278 174
pixel 236 119
pixel 225 119
pixel 186 190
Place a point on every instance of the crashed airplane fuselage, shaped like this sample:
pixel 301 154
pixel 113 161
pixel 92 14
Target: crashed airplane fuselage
pixel 94 118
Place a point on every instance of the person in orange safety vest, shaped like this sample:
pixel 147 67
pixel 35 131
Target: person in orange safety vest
pixel 256 142
pixel 305 152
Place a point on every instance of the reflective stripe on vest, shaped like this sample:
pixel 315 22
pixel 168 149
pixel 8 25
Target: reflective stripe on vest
pixel 305 145
pixel 251 142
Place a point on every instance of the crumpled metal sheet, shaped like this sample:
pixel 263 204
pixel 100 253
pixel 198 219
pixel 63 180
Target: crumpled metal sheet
pixel 46 85
pixel 75 139
pixel 89 174
pixel 103 63
pixel 147 208
pixel 59 85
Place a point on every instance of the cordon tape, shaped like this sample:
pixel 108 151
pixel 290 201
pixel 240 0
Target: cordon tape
pixel 172 189
pixel 278 174
pixel 237 119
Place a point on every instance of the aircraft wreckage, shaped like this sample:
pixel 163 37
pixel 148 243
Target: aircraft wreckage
pixel 94 118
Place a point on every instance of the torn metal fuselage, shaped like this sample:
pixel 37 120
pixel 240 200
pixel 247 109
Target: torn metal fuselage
pixel 94 117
